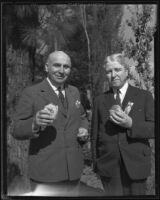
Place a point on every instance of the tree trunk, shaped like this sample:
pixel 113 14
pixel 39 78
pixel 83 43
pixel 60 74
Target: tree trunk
pixel 19 76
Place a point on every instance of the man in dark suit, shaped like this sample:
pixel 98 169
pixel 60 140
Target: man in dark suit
pixel 122 123
pixel 50 114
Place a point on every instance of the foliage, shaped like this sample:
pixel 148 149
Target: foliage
pixel 139 49
pixel 87 33
pixel 19 29
pixel 62 30
pixel 103 34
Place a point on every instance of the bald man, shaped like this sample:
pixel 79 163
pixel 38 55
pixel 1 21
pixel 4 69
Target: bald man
pixel 50 114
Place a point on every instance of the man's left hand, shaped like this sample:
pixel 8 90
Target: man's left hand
pixel 82 134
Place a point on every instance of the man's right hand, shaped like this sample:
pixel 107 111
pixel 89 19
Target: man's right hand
pixel 118 116
pixel 42 118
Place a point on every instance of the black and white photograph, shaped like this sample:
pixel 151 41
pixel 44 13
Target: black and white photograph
pixel 79 89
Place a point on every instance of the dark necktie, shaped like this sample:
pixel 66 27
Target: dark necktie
pixel 62 98
pixel 118 100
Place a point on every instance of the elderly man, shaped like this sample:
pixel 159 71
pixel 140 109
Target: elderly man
pixel 123 121
pixel 50 114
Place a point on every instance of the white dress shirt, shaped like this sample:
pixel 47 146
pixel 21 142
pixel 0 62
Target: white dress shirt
pixel 122 90
pixel 55 88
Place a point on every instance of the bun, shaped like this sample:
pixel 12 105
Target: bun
pixel 53 109
pixel 116 107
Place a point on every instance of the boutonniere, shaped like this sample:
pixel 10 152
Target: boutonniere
pixel 128 107
pixel 78 103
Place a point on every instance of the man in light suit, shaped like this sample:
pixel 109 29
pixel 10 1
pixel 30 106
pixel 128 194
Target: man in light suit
pixel 55 155
pixel 122 123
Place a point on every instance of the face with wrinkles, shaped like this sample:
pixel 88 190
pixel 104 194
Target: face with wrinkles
pixel 58 67
pixel 116 73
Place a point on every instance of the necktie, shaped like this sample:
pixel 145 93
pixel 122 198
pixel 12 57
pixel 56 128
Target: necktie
pixel 62 98
pixel 118 100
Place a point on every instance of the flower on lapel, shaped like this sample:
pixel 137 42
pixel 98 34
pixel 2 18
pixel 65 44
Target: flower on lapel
pixel 128 107
pixel 78 103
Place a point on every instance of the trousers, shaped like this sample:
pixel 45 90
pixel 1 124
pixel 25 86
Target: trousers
pixel 120 184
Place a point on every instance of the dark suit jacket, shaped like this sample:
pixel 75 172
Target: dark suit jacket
pixel 109 140
pixel 56 154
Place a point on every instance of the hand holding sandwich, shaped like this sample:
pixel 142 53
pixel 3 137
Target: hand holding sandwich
pixel 119 117
pixel 46 116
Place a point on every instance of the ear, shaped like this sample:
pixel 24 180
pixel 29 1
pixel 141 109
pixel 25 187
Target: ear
pixel 127 74
pixel 46 67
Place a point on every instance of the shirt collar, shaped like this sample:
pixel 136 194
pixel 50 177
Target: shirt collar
pixel 122 89
pixel 53 86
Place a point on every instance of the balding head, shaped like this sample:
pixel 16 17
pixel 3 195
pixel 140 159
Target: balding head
pixel 60 55
pixel 58 67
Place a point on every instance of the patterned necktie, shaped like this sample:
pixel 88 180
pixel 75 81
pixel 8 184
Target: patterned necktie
pixel 62 98
pixel 118 100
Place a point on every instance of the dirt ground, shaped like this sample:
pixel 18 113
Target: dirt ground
pixel 90 178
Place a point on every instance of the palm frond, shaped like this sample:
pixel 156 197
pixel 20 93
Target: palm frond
pixel 25 10
pixel 29 36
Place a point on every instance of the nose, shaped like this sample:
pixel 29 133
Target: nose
pixel 61 69
pixel 113 73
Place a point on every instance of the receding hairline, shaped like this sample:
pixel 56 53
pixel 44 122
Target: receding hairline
pixel 58 53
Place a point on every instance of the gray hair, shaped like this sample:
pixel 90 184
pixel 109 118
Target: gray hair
pixel 117 57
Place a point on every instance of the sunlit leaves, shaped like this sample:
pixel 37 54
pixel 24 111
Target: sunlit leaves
pixel 139 49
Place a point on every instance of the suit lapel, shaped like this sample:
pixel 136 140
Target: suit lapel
pixel 109 100
pixel 48 93
pixel 70 99
pixel 129 97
